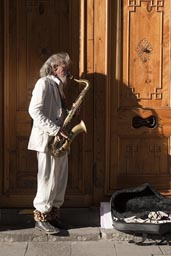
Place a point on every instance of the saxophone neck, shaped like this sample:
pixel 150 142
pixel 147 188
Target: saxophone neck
pixel 82 81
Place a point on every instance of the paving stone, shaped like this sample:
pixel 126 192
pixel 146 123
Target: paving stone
pixel 93 248
pixel 124 248
pixel 13 249
pixel 166 250
pixel 48 249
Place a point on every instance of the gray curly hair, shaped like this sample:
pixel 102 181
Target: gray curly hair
pixel 57 59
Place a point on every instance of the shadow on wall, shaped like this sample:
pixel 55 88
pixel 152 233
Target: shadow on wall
pixel 116 107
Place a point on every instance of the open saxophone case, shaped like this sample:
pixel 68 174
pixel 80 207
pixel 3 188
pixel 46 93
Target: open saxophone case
pixel 142 211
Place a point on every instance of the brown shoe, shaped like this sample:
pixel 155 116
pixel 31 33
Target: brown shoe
pixel 43 224
pixel 46 227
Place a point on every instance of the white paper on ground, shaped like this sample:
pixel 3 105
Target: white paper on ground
pixel 105 215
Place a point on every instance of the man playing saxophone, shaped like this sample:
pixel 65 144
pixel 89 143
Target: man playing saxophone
pixel 48 111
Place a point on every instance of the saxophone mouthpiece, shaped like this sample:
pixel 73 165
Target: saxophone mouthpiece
pixel 70 76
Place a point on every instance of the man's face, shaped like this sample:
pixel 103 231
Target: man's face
pixel 61 71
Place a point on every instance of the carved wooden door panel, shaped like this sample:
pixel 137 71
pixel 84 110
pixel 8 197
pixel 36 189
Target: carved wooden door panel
pixel 33 31
pixel 139 116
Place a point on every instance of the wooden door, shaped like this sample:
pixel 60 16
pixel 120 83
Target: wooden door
pixel 139 86
pixel 123 48
pixel 33 30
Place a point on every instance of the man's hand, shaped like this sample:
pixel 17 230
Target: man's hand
pixel 63 134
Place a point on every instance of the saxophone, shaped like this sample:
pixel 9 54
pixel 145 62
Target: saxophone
pixel 58 146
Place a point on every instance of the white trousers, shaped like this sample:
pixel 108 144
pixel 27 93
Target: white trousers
pixel 51 181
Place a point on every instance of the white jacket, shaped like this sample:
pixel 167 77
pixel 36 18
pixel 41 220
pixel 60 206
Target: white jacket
pixel 46 111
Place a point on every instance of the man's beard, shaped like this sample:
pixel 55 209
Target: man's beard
pixel 63 79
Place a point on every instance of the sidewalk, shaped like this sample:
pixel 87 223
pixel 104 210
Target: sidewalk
pixel 87 248
pixel 86 240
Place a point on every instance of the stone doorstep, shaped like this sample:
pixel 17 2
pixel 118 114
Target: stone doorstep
pixel 33 235
pixel 18 234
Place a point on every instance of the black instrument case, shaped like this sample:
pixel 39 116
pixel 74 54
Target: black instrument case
pixel 141 210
